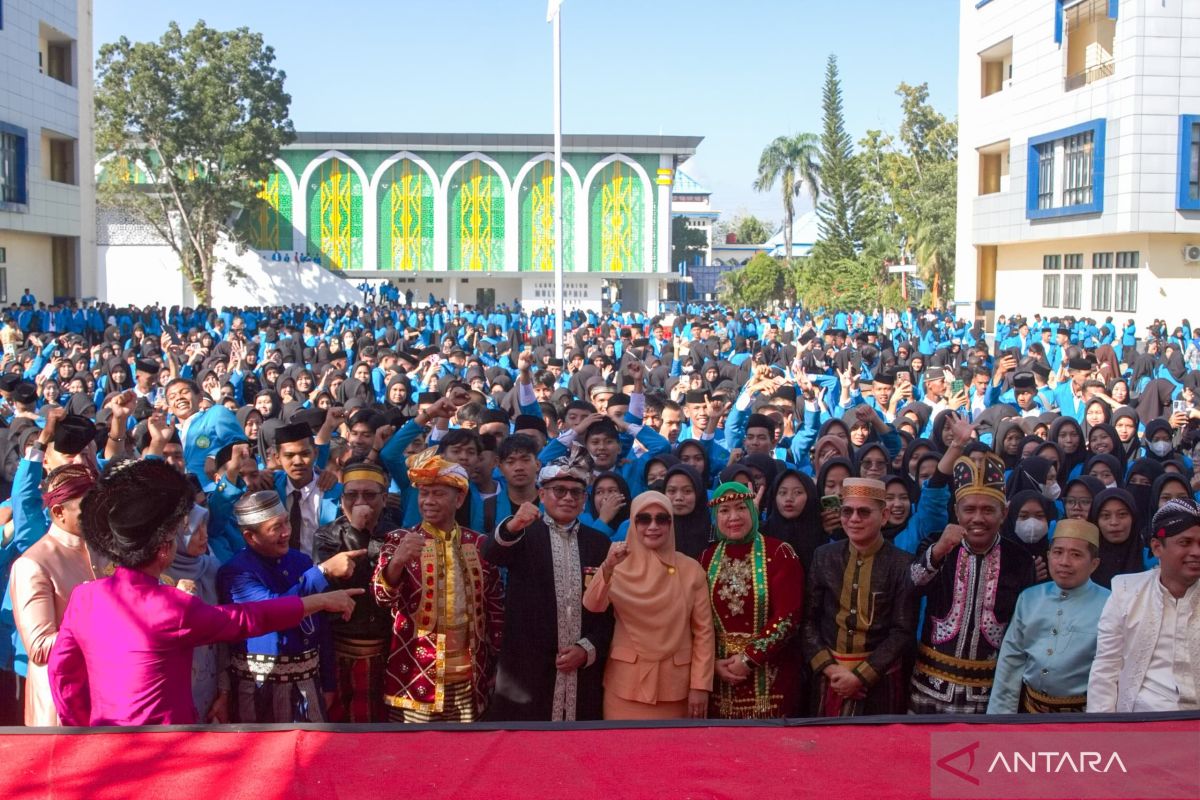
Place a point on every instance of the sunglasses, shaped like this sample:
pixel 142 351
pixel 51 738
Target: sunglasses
pixel 646 519
pixel 856 511
pixel 563 492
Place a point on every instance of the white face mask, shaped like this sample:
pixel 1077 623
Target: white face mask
pixel 1030 530
pixel 1112 485
pixel 1051 491
pixel 1160 448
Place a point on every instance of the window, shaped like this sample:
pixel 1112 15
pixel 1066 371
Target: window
pixel 1073 261
pixel 1072 291
pixel 1102 293
pixel 58 58
pixel 12 164
pixel 1050 291
pixel 1046 176
pixel 1051 262
pixel 1077 169
pixel 60 159
pixel 1091 33
pixel 1128 259
pixel 995 67
pixel 3 284
pixel 1126 299
pixel 1102 260
pixel 1065 175
pixel 1189 163
pixel 993 168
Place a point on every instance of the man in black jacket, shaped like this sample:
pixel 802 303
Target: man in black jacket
pixel 552 660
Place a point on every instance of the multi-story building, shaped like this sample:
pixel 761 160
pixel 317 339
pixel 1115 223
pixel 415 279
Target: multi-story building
pixel 47 201
pixel 466 218
pixel 692 201
pixel 1079 149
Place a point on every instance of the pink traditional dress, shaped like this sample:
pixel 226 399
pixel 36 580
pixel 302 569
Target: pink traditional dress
pixel 124 650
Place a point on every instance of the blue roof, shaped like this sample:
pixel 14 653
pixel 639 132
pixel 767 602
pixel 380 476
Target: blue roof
pixel 686 184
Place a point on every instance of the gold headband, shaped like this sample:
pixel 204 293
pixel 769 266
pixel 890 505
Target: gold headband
pixel 364 472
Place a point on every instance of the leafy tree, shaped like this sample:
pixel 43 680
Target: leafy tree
pixel 790 161
pixel 206 111
pixel 748 229
pixel 760 283
pixel 686 243
pixel 843 225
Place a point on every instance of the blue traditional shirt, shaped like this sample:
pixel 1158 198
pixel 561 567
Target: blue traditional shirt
pixel 1049 645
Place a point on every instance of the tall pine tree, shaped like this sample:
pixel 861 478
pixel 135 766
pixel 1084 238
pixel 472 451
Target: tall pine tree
pixel 843 224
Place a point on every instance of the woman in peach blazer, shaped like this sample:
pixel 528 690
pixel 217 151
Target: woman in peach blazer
pixel 660 664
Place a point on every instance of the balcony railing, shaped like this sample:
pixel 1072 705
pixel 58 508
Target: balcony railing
pixel 1090 75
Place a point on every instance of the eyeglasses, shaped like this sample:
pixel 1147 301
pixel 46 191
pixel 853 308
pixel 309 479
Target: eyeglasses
pixel 563 492
pixel 369 496
pixel 658 519
pixel 1076 502
pixel 856 511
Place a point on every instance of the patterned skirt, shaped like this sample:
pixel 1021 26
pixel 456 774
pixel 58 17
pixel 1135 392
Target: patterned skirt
pixel 887 696
pixel 361 665
pixel 277 688
pixel 458 705
pixel 1035 702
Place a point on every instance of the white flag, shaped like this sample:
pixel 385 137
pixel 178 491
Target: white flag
pixel 552 9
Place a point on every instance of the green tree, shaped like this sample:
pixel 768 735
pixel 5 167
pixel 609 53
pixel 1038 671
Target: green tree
pixel 790 161
pixel 686 243
pixel 760 283
pixel 208 111
pixel 748 229
pixel 843 225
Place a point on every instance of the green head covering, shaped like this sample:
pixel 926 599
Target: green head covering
pixel 734 492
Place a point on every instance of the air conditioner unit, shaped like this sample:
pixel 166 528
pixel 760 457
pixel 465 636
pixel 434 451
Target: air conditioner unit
pixel 1191 253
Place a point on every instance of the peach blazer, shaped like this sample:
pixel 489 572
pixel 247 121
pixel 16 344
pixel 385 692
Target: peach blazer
pixel 41 584
pixel 630 675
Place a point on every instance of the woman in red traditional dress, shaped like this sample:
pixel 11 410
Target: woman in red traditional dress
pixel 756 586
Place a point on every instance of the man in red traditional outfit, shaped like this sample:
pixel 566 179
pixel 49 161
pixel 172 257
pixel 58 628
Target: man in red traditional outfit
pixel 446 601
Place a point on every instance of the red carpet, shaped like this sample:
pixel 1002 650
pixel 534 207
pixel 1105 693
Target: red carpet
pixel 772 761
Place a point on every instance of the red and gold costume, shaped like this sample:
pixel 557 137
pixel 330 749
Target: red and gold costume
pixel 448 614
pixel 756 586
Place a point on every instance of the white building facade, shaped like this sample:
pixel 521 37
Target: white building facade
pixel 1079 145
pixel 47 199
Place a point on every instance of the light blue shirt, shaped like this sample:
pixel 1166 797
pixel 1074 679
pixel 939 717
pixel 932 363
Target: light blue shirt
pixel 1049 645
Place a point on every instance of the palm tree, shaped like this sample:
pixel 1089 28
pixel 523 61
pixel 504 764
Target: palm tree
pixel 793 162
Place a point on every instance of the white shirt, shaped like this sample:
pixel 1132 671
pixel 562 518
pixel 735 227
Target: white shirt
pixel 1168 684
pixel 310 513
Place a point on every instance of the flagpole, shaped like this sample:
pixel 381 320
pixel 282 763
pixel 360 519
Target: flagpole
pixel 558 192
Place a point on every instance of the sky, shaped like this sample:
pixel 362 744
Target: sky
pixel 737 73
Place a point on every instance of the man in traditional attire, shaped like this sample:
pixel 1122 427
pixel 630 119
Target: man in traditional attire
pixel 860 621
pixel 1048 649
pixel 360 643
pixel 971 578
pixel 552 663
pixel 1148 647
pixel 286 676
pixel 446 602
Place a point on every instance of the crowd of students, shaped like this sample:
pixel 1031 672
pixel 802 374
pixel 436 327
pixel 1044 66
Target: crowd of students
pixel 390 512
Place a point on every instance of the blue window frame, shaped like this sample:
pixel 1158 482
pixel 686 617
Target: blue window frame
pixel 1189 163
pixel 1082 149
pixel 1113 7
pixel 14 155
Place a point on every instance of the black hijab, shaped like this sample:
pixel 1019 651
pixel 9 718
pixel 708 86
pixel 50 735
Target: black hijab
pixel 1118 559
pixel 803 533
pixel 693 532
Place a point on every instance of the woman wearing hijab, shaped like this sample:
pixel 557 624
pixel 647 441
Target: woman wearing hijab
pixel 1037 474
pixel 692 453
pixel 1160 443
pixel 1007 442
pixel 1068 435
pixel 689 506
pixel 1077 500
pixel 793 514
pixel 1115 514
pixel 1027 524
pixel 608 506
pixel 829 484
pixel 901 496
pixel 756 586
pixel 660 664
pixel 1106 468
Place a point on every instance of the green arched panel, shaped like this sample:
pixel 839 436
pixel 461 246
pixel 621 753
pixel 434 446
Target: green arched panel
pixel 406 208
pixel 335 215
pixel 537 220
pixel 476 207
pixel 616 227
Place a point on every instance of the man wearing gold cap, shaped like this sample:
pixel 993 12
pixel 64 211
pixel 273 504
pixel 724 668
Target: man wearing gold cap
pixel 860 620
pixel 970 577
pixel 361 642
pixel 446 602
pixel 1048 649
